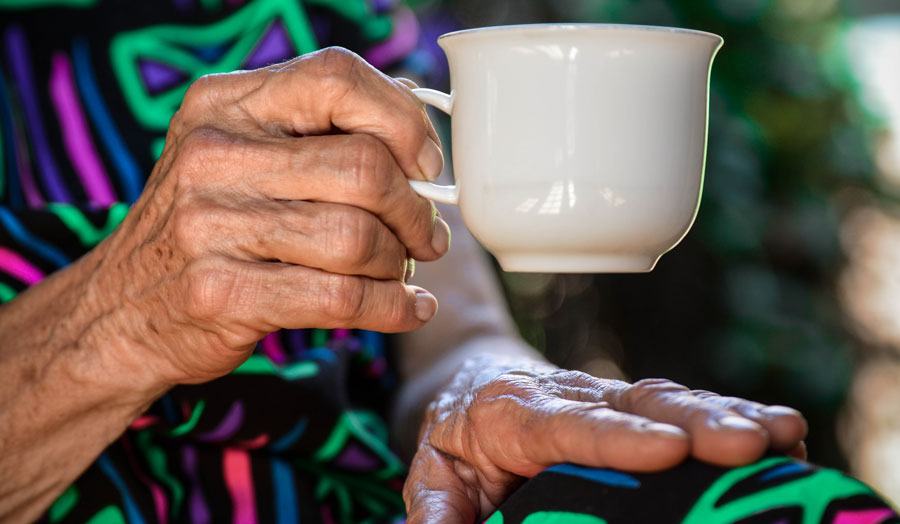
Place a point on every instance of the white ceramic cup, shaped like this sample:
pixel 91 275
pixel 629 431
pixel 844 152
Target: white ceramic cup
pixel 577 147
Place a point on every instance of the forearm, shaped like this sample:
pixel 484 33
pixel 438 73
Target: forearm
pixel 69 389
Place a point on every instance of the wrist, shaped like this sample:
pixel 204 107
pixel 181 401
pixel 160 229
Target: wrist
pixel 67 329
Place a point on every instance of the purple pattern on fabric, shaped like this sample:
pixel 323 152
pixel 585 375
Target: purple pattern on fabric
pixel 227 427
pixel 197 504
pixel 273 47
pixel 76 135
pixel 23 165
pixel 431 28
pixel 17 50
pixel 383 6
pixel 296 340
pixel 321 28
pixel 159 77
pixel 184 6
pixel 355 458
pixel 272 348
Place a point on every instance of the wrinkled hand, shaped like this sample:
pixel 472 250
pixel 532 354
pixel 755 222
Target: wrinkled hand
pixel 280 201
pixel 493 427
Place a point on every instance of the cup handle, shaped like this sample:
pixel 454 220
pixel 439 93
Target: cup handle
pixel 429 190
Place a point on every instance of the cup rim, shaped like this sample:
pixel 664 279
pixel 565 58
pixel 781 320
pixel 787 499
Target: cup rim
pixel 551 27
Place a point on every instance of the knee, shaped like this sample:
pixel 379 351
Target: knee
pixel 775 489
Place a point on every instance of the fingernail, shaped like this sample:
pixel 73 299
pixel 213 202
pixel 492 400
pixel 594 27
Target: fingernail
pixel 738 423
pixel 410 270
pixel 665 430
pixel 426 305
pixel 431 159
pixel 779 411
pixel 440 239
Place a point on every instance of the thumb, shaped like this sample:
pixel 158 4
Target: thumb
pixel 434 494
pixel 441 506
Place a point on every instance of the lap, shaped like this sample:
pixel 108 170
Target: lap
pixel 773 490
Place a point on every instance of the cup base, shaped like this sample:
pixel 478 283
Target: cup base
pixel 576 263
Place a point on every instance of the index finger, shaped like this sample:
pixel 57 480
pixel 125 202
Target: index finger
pixel 719 435
pixel 336 89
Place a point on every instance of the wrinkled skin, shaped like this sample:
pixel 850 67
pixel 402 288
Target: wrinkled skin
pixel 280 201
pixel 497 424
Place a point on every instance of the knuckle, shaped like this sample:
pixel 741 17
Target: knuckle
pixel 706 394
pixel 198 152
pixel 198 95
pixel 193 223
pixel 209 154
pixel 343 298
pixel 501 390
pixel 212 288
pixel 647 390
pixel 571 376
pixel 187 221
pixel 369 168
pixel 354 241
pixel 335 68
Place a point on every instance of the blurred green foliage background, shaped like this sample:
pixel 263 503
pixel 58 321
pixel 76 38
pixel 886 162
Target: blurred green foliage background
pixel 747 304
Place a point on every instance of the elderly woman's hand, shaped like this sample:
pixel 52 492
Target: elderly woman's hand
pixel 280 201
pixel 495 425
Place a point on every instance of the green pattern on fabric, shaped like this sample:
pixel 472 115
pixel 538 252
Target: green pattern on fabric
pixel 354 423
pixel 192 422
pixel 156 459
pixel 496 518
pixel 170 45
pixel 263 365
pixel 812 493
pixel 327 486
pixel 6 293
pixel 157 146
pixel 87 233
pixel 318 338
pixel 63 504
pixel 561 517
pixel 360 486
pixel 108 515
pixel 211 5
pixel 360 12
pixel 373 505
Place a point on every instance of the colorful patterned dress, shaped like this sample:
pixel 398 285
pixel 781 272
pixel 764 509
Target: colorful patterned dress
pixel 86 92
pixel 297 433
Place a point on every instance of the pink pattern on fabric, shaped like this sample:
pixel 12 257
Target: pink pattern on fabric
pixel 272 348
pixel 256 443
pixel 402 41
pixel 327 517
pixel 19 268
pixel 23 165
pixel 76 135
pixel 239 480
pixel 159 498
pixel 863 516
pixel 144 421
